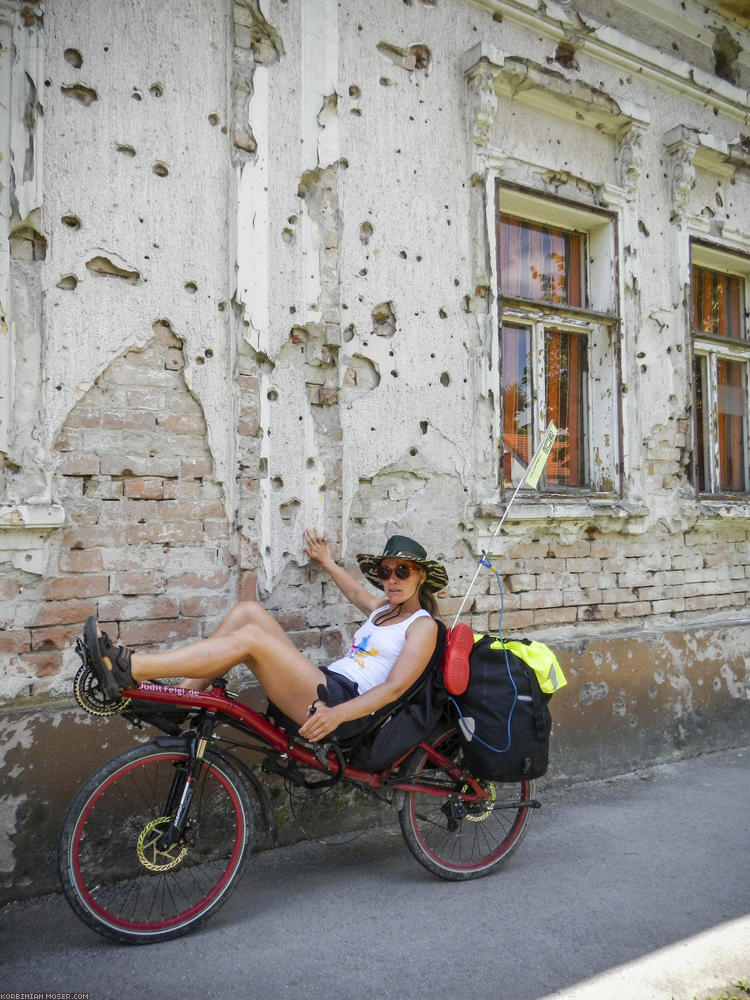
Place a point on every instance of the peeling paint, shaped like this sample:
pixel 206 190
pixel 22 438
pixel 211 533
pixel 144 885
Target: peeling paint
pixel 590 692
pixel 9 806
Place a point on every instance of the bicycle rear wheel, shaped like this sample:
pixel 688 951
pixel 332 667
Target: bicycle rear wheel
pixel 454 839
pixel 114 873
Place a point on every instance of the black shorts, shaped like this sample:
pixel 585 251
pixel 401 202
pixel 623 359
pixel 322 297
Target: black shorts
pixel 341 689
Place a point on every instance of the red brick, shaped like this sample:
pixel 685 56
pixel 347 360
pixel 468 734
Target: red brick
pixel 554 616
pixel 81 561
pixel 530 550
pixel 333 642
pixel 43 664
pixel 639 609
pixel 81 417
pixel 478 623
pixel 104 489
pixel 146 488
pixel 597 612
pixel 215 531
pixel 124 609
pixel 135 466
pixel 152 633
pixel 517 620
pixel 196 468
pixel 181 423
pixel 248 383
pixel 78 465
pixel 138 583
pixel 541 599
pixel 179 510
pixel 56 637
pixel 84 513
pixel 160 533
pixel 249 587
pixel 248 428
pixel 204 607
pixel 90 536
pixel 181 489
pixel 55 612
pixel 213 510
pixel 10 590
pixel 69 440
pixel 134 420
pixel 307 639
pixel 192 581
pixel 165 336
pixel 291 620
pixel 699 603
pixel 67 588
pixel 15 640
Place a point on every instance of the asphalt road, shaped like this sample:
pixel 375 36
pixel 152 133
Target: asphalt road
pixel 636 888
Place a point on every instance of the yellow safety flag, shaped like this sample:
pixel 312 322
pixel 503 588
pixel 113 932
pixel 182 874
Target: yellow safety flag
pixel 536 466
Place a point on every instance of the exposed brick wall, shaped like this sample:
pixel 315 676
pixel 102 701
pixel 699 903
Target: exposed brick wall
pixel 147 546
pixel 679 576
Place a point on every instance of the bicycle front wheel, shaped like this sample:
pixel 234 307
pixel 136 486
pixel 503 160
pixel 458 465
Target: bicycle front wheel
pixel 451 837
pixel 118 876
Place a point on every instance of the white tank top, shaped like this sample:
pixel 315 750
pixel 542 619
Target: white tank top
pixel 375 648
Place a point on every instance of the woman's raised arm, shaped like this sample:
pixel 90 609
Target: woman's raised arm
pixel 316 547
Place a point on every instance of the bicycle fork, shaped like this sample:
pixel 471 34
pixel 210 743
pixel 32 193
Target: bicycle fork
pixel 184 784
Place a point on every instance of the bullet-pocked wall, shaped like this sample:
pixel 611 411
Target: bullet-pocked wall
pixel 253 280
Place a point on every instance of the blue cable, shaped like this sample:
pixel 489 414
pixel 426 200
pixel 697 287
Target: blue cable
pixel 484 561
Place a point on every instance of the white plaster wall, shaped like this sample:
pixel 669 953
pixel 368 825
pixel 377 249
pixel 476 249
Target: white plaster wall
pixel 280 284
pixel 405 159
pixel 408 177
pixel 171 230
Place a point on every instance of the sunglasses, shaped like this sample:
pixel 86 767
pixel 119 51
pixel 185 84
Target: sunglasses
pixel 402 571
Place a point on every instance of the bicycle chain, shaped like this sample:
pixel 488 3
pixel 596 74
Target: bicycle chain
pixel 90 696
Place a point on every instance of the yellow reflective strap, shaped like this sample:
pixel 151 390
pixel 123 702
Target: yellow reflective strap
pixel 542 661
pixel 536 655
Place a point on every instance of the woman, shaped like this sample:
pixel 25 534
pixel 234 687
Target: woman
pixel 388 653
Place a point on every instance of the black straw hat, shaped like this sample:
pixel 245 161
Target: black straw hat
pixel 401 547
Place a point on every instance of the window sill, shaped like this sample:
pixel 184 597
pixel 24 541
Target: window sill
pixel 605 512
pixel 722 508
pixel 565 509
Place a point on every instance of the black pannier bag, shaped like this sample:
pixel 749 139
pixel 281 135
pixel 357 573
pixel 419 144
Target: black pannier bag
pixel 503 715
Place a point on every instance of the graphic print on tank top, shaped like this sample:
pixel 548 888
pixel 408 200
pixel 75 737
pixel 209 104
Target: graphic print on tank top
pixel 360 650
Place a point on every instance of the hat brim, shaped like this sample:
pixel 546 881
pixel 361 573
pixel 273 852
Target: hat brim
pixel 437 575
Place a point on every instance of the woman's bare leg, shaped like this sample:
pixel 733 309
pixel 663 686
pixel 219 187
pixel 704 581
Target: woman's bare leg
pixel 250 635
pixel 243 613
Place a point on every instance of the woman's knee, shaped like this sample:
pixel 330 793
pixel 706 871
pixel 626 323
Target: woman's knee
pixel 246 613
pixel 247 638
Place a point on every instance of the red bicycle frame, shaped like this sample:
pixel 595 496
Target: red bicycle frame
pixel 234 713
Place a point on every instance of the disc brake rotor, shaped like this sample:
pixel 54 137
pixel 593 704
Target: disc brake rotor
pixel 90 695
pixel 149 853
pixel 478 811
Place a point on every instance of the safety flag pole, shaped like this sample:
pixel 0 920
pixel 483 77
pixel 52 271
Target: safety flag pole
pixel 530 478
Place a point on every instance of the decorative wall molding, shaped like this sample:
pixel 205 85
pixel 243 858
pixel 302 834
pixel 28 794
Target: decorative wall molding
pixel 681 175
pixel 492 73
pixel 691 149
pixel 24 530
pixel 480 78
pixel 630 155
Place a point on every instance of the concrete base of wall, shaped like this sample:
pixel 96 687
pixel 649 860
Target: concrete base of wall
pixel 631 701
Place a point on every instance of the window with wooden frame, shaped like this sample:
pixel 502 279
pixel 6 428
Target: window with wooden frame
pixel 557 292
pixel 721 346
